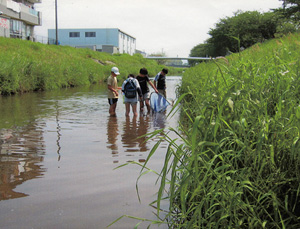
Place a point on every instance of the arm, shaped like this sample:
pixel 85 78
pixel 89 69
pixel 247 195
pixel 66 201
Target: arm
pixel 123 86
pixel 139 92
pixel 113 90
pixel 154 87
pixel 156 79
pixel 138 88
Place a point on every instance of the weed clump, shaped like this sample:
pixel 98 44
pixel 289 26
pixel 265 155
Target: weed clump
pixel 238 159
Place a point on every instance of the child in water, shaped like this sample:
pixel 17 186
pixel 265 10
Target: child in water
pixel 131 89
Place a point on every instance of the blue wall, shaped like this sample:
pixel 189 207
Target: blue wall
pixel 103 37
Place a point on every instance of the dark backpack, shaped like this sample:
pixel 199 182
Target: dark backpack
pixel 130 89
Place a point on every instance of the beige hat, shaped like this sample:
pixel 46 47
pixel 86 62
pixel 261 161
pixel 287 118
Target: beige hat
pixel 115 70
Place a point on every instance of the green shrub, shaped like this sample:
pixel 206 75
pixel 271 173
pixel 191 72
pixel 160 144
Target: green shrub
pixel 236 161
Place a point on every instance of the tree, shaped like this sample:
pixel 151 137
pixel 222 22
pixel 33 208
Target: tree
pixel 244 29
pixel 201 50
pixel 291 9
pixel 290 17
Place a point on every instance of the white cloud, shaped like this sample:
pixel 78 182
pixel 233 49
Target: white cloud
pixel 174 26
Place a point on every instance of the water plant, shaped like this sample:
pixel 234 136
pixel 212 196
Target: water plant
pixel 235 161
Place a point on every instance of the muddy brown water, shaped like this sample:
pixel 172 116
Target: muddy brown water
pixel 58 156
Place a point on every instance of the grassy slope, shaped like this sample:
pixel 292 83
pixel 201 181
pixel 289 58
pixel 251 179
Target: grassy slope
pixel 28 66
pixel 239 164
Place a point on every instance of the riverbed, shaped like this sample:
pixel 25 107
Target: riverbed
pixel 59 151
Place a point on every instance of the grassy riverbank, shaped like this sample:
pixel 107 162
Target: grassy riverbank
pixel 28 66
pixel 238 163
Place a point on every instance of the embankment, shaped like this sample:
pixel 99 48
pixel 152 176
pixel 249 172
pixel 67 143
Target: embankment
pixel 28 66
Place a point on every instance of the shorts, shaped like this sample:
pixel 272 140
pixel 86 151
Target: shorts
pixel 130 100
pixel 145 96
pixel 112 101
pixel 132 103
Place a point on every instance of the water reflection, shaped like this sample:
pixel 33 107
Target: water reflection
pixel 129 135
pixel 58 130
pixel 143 129
pixel 134 142
pixel 159 120
pixel 112 136
pixel 73 123
pixel 132 137
pixel 21 155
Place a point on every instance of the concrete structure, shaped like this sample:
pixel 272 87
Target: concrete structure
pixel 18 18
pixel 108 40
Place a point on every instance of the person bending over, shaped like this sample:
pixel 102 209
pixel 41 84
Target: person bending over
pixel 144 80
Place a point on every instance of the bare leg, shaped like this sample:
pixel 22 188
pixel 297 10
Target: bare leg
pixel 148 105
pixel 127 108
pixel 112 109
pixel 134 109
pixel 141 106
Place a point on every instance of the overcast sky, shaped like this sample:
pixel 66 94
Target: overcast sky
pixel 170 26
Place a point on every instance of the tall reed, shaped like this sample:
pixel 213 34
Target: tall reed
pixel 236 161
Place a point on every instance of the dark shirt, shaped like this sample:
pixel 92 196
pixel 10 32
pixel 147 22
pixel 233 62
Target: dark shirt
pixel 161 82
pixel 143 83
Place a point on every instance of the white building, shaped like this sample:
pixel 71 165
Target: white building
pixel 18 18
pixel 110 40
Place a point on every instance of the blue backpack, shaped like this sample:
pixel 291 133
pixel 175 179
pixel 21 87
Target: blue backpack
pixel 130 89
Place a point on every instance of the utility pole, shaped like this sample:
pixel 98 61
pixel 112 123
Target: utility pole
pixel 56 22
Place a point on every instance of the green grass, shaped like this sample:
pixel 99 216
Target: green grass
pixel 27 66
pixel 236 160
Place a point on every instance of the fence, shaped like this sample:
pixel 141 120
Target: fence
pixel 44 40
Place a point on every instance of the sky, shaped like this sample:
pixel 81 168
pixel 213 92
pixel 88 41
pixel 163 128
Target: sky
pixel 172 27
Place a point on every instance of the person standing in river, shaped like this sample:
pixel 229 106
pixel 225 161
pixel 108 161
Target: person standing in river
pixel 113 94
pixel 160 82
pixel 131 89
pixel 143 79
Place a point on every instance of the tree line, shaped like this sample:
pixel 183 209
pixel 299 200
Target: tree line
pixel 244 29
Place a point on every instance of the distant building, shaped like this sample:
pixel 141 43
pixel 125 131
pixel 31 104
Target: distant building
pixel 103 40
pixel 18 18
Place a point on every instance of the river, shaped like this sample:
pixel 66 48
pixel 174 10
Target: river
pixel 58 156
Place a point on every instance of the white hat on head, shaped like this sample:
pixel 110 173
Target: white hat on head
pixel 115 70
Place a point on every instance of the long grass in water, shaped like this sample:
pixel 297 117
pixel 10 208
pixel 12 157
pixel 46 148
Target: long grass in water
pixel 236 161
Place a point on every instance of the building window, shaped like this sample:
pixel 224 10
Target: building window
pixel 90 34
pixel 16 28
pixel 74 34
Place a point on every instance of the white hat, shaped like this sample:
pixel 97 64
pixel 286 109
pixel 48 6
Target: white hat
pixel 115 70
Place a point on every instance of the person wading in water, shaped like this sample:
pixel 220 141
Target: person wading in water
pixel 131 89
pixel 143 79
pixel 113 94
pixel 160 82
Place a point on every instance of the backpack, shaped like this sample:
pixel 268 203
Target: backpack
pixel 130 89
